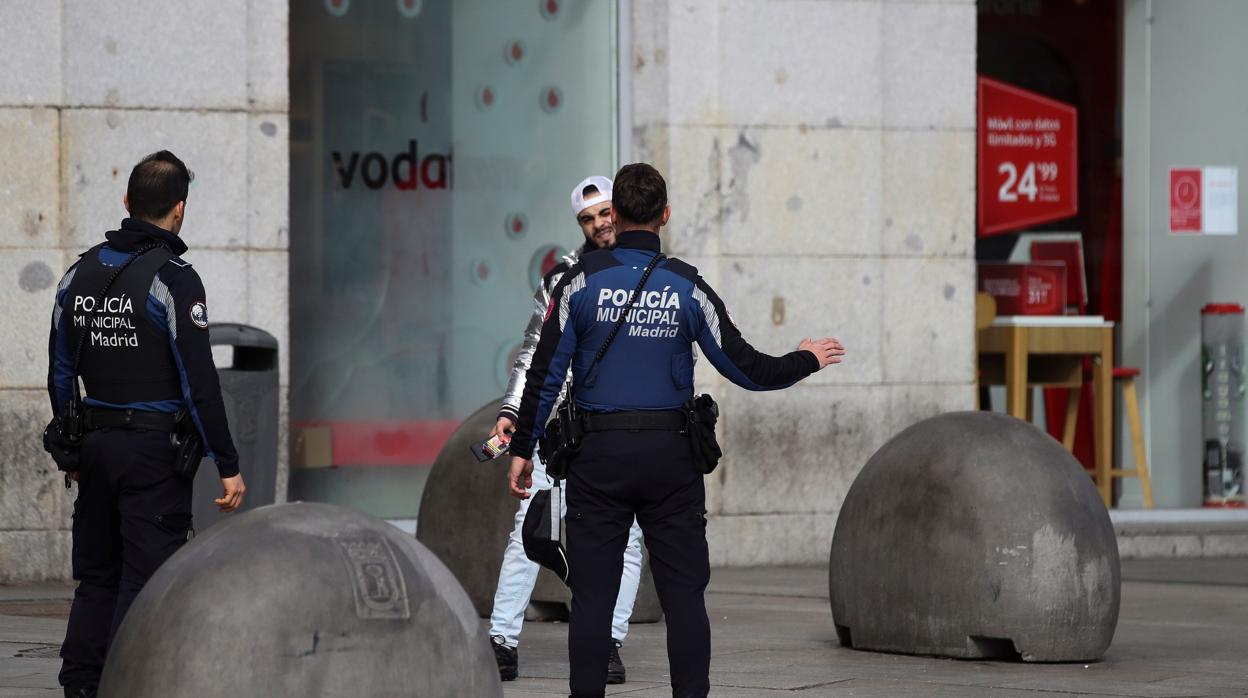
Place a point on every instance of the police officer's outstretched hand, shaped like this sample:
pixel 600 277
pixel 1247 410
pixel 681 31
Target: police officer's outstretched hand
pixel 827 350
pixel 233 497
pixel 520 477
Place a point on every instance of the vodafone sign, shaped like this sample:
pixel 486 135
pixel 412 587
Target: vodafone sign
pixel 1027 159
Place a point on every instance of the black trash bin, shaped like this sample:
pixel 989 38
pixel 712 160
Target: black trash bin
pixel 249 388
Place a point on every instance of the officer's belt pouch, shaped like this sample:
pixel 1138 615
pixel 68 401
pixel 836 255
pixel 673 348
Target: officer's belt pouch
pixel 189 445
pixel 701 413
pixel 62 438
pixel 562 439
pixel 541 532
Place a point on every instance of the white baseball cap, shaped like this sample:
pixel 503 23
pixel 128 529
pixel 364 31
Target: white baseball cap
pixel 580 203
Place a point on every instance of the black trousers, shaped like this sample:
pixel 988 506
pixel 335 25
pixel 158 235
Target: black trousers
pixel 131 514
pixel 649 474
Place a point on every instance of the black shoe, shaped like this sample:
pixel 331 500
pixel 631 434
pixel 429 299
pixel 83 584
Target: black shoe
pixel 80 691
pixel 615 667
pixel 508 659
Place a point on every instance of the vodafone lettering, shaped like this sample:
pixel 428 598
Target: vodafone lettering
pixel 406 170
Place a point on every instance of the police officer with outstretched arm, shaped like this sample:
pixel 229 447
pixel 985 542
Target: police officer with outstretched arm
pixel 591 205
pixel 635 457
pixel 131 321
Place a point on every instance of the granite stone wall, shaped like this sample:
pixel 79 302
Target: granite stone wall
pixel 88 88
pixel 820 164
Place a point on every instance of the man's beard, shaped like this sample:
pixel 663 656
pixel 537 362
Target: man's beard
pixel 592 241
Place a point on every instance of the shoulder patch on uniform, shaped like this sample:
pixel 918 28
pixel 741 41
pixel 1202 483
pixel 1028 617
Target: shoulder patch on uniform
pixel 199 315
pixel 595 261
pixel 681 268
pixel 179 262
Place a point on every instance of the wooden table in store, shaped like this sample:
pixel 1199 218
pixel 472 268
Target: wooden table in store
pixel 1023 337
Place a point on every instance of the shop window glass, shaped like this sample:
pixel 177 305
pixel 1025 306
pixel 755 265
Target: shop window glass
pixel 433 148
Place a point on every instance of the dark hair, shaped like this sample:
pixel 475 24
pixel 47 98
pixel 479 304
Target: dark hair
pixel 588 190
pixel 157 184
pixel 639 193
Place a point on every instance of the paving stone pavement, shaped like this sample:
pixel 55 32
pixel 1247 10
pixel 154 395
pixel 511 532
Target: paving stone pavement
pixel 1182 631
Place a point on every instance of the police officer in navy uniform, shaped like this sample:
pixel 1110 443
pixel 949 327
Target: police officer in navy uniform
pixel 635 458
pixel 145 364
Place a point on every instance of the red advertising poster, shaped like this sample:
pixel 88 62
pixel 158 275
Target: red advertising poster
pixel 1025 289
pixel 1028 161
pixel 1185 204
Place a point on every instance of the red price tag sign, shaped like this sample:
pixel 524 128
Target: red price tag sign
pixel 1028 159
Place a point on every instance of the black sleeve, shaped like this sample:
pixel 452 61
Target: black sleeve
pixel 201 388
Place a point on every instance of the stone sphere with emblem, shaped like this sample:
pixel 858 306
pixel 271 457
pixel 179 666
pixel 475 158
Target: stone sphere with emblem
pixel 301 600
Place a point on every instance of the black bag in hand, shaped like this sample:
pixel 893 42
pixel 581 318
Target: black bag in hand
pixel 701 413
pixel 542 534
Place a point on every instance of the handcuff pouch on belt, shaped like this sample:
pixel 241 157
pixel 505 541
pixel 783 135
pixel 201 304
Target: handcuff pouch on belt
pixel 701 413
pixel 562 439
pixel 62 438
pixel 188 444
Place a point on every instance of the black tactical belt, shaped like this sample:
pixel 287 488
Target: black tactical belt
pixel 666 420
pixel 97 418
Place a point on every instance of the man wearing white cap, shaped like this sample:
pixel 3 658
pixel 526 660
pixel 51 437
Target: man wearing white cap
pixel 591 204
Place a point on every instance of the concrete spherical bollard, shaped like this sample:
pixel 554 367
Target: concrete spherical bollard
pixel 301 600
pixel 466 516
pixel 975 535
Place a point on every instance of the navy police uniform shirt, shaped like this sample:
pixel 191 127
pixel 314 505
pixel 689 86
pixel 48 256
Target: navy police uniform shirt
pixel 120 367
pixel 649 365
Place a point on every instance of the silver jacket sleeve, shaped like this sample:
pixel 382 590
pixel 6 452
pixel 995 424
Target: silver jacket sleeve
pixel 532 333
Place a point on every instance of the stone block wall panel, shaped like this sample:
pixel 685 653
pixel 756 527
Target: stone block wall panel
pixel 28 279
pixel 769 539
pixel 32 53
pixel 268 295
pixel 929 320
pixel 156 55
pixel 102 146
pixel 929 65
pixel 32 491
pixel 929 193
pixel 268 181
pixel 813 191
pixel 798 450
pixel 800 62
pixel 268 56
pixel 30 209
pixel 31 557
